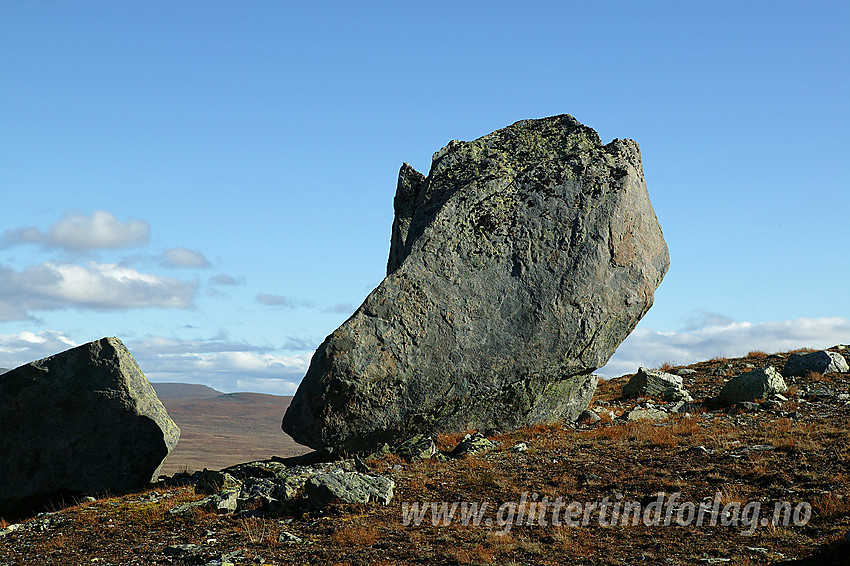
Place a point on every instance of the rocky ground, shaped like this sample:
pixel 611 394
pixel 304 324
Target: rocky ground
pixel 795 451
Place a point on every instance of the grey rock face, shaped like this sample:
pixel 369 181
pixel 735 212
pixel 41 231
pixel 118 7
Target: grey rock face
pixel 349 487
pixel 516 268
pixel 820 362
pixel 757 384
pixel 82 421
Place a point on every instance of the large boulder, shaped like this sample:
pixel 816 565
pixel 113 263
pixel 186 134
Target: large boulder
pixel 82 421
pixel 814 362
pixel 516 268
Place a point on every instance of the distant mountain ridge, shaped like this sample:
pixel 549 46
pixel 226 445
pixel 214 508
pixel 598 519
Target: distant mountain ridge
pixel 184 391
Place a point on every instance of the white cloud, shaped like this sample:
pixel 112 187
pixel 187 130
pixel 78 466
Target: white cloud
pixel 23 347
pixel 282 301
pixel 79 232
pixel 225 279
pixel 341 308
pixel 182 257
pixel 646 347
pixel 99 286
pixel 226 366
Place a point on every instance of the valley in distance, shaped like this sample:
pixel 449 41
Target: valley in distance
pixel 218 429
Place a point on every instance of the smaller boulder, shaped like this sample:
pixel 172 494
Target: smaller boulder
pixel 588 417
pixel 420 446
pixel 819 362
pixel 348 487
pixel 212 482
pixel 655 383
pixel 757 384
pixel 471 444
pixel 519 447
pixel 288 538
pixel 224 501
pixel 649 414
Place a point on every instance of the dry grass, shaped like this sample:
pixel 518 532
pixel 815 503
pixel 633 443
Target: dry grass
pixel 52 544
pixel 261 532
pixel 360 532
pixel 757 354
pixel 666 366
pixel 816 376
pixel 831 505
pixel 447 441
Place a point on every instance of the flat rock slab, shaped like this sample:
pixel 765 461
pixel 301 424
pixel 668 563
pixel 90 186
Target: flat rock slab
pixel 517 266
pixel 82 421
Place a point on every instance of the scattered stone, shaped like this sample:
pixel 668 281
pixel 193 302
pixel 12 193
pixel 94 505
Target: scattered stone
pixel 677 394
pixel 10 529
pixel 588 478
pixel 471 444
pixel 817 394
pixel 82 421
pixel 519 447
pixel 772 405
pixel 182 549
pixel 685 371
pixel 646 415
pixel 588 418
pixel 226 559
pixel 224 501
pixel 213 482
pixel 288 538
pixel 698 450
pixel 818 362
pixel 680 407
pixel 748 406
pixel 757 384
pixel 420 446
pixel 516 268
pixel 267 491
pixel 349 487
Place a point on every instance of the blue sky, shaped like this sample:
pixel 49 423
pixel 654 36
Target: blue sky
pixel 212 182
